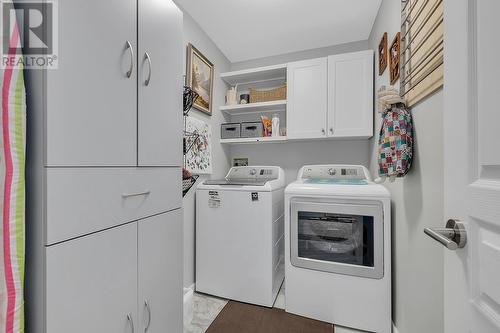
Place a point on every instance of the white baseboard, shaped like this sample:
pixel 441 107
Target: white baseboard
pixel 188 304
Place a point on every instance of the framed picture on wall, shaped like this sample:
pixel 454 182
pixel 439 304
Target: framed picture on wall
pixel 394 54
pixel 200 77
pixel 382 54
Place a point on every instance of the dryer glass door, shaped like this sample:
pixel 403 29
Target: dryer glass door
pixel 339 238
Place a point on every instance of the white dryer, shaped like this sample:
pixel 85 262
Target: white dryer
pixel 240 235
pixel 338 247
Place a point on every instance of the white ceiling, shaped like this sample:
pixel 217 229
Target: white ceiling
pixel 250 29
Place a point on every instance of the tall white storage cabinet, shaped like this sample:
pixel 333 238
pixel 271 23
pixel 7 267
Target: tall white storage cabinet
pixel 104 219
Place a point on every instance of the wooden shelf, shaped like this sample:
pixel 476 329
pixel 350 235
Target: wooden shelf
pixel 268 139
pixel 273 106
pixel 268 73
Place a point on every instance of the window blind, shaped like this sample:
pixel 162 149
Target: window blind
pixel 422 47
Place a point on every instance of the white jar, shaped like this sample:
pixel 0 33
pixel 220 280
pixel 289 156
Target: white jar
pixel 275 125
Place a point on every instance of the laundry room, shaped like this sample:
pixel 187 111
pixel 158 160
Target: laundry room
pixel 331 167
pixel 416 197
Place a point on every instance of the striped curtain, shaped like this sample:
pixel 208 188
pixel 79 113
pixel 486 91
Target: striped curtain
pixel 12 198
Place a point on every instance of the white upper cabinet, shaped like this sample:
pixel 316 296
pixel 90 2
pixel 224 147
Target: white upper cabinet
pixel 331 97
pixel 307 99
pixel 116 100
pixel 350 95
pixel 91 105
pixel 160 57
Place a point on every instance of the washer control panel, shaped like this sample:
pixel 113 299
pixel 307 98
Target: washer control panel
pixel 247 172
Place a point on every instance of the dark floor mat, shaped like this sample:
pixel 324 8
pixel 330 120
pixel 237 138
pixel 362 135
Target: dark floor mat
pixel 246 318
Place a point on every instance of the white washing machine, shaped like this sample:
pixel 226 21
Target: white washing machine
pixel 338 247
pixel 240 235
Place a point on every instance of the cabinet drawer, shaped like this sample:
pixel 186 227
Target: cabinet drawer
pixel 84 200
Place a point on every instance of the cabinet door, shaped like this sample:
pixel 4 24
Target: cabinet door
pixel 160 100
pixel 92 283
pixel 307 99
pixel 160 273
pixel 91 104
pixel 350 95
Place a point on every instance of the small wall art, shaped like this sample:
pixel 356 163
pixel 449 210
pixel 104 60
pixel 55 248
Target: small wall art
pixel 382 54
pixel 199 156
pixel 394 54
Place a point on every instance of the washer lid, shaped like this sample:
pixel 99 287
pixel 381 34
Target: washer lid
pixel 249 178
pixel 242 182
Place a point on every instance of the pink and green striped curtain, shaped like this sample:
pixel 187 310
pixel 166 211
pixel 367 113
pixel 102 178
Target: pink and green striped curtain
pixel 12 197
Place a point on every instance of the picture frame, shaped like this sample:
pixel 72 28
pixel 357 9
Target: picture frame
pixel 382 54
pixel 394 56
pixel 200 78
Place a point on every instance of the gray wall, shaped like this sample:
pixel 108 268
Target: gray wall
pixel 417 202
pixel 293 155
pixel 301 55
pixel 194 34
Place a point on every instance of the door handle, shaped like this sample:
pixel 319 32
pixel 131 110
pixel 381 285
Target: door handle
pixel 148 59
pixel 131 321
pixel 146 305
pixel 131 50
pixel 454 236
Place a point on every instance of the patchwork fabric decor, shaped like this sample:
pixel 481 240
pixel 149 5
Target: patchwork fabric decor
pixel 395 155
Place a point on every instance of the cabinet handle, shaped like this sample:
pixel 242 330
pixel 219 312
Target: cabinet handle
pixel 131 50
pixel 131 321
pixel 331 130
pixel 148 59
pixel 323 131
pixel 146 304
pixel 128 195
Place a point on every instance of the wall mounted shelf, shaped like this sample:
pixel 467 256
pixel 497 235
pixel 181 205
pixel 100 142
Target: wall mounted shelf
pixel 273 106
pixel 269 139
pixel 260 74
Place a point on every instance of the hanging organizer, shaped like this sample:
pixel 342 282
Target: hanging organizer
pixel 395 151
pixel 188 180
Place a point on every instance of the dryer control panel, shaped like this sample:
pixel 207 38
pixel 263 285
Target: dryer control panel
pixel 334 172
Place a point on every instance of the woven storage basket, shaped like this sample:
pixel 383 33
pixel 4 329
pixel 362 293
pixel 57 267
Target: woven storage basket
pixel 275 94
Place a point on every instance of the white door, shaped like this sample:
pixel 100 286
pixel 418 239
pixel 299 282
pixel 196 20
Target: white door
pixel 92 283
pixel 307 99
pixel 350 94
pixel 160 273
pixel 91 102
pixel 472 164
pixel 160 83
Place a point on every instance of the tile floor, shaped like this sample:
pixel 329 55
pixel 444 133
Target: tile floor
pixel 206 308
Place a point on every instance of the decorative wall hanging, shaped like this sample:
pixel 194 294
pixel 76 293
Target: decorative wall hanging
pixel 394 54
pixel 382 54
pixel 198 158
pixel 395 151
pixel 200 77
pixel 188 179
pixel 422 49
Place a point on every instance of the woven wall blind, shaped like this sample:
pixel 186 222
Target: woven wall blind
pixel 422 48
